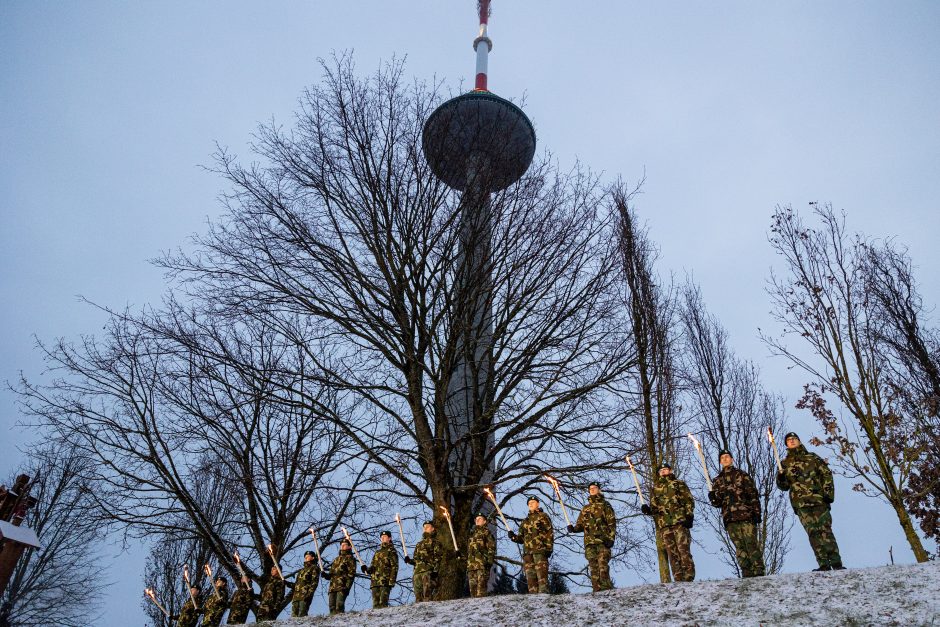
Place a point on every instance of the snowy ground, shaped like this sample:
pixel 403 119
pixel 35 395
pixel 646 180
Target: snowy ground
pixel 891 595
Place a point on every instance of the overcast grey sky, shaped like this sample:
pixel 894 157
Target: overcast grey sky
pixel 108 110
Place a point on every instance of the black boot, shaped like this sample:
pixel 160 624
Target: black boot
pixel 820 569
pixel 838 567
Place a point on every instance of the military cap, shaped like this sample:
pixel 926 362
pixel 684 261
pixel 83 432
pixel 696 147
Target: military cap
pixel 594 484
pixel 665 465
pixel 479 515
pixel 724 451
pixel 531 497
pixel 429 522
pixel 221 578
pixel 310 553
pixel 386 533
pixel 790 435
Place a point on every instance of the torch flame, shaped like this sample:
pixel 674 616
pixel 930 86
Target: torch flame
pixel 552 481
pixel 208 570
pixel 770 435
pixel 445 512
pixel 698 445
pixel 237 558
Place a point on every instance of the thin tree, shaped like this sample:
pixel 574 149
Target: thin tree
pixel 60 584
pixel 733 412
pixel 651 394
pixel 821 299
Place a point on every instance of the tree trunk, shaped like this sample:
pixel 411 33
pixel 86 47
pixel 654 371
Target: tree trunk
pixel 920 554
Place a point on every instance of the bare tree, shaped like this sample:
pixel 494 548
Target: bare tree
pixel 821 299
pixel 177 414
pixel 163 575
pixel 343 240
pixel 651 395
pixel 911 351
pixel 49 586
pixel 733 412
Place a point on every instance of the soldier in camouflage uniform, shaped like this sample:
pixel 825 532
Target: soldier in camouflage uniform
pixel 383 571
pixel 341 574
pixel 305 585
pixel 189 615
pixel 243 601
pixel 538 540
pixel 427 562
pixel 272 596
pixel 809 480
pixel 215 606
pixel 733 490
pixel 481 554
pixel 599 525
pixel 672 507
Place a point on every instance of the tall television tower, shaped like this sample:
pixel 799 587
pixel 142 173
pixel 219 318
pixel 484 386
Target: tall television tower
pixel 477 143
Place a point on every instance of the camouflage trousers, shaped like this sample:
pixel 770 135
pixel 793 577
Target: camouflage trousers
pixel 747 548
pixel 536 572
pixel 337 601
pixel 213 621
pixel 677 540
pixel 598 559
pixel 380 596
pixel 425 584
pixel 478 578
pixel 300 606
pixel 818 524
pixel 237 616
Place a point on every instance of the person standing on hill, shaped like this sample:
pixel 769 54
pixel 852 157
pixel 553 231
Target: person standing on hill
pixel 672 506
pixel 733 490
pixel 599 525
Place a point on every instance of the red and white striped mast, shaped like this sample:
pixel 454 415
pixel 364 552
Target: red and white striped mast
pixel 483 52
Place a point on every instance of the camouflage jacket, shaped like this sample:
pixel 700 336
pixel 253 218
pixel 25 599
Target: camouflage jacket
pixel 428 554
pixel 481 549
pixel 671 502
pixel 733 490
pixel 342 571
pixel 305 584
pixel 214 608
pixel 272 596
pixel 536 533
pixel 243 601
pixel 808 478
pixel 384 570
pixel 189 615
pixel 597 521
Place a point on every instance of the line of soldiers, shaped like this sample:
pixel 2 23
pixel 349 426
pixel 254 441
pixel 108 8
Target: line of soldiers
pixel 805 475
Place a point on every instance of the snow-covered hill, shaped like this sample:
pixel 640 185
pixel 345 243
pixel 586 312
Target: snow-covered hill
pixel 891 595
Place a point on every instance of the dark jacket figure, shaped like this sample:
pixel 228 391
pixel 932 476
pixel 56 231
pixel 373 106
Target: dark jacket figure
pixel 427 562
pixel 809 481
pixel 537 538
pixel 341 574
pixel 481 554
pixel 672 507
pixel 305 585
pixel 733 490
pixel 189 615
pixel 599 525
pixel 383 571
pixel 215 606
pixel 272 597
pixel 243 601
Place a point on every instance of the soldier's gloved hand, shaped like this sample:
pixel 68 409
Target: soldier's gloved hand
pixel 609 544
pixel 687 523
pixel 828 499
pixel 458 555
pixel 711 496
pixel 513 536
pixel 570 528
pixel 326 575
pixel 646 509
pixel 364 569
pixel 756 518
pixel 408 560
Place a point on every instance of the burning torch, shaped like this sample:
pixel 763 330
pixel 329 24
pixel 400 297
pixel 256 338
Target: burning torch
pixel 189 586
pixel 208 570
pixel 355 550
pixel 554 483
pixel 316 547
pixel 450 526
pixel 153 597
pixel 636 481
pixel 270 548
pixel 401 534
pixel 492 497
pixel 773 445
pixel 238 563
pixel 701 456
